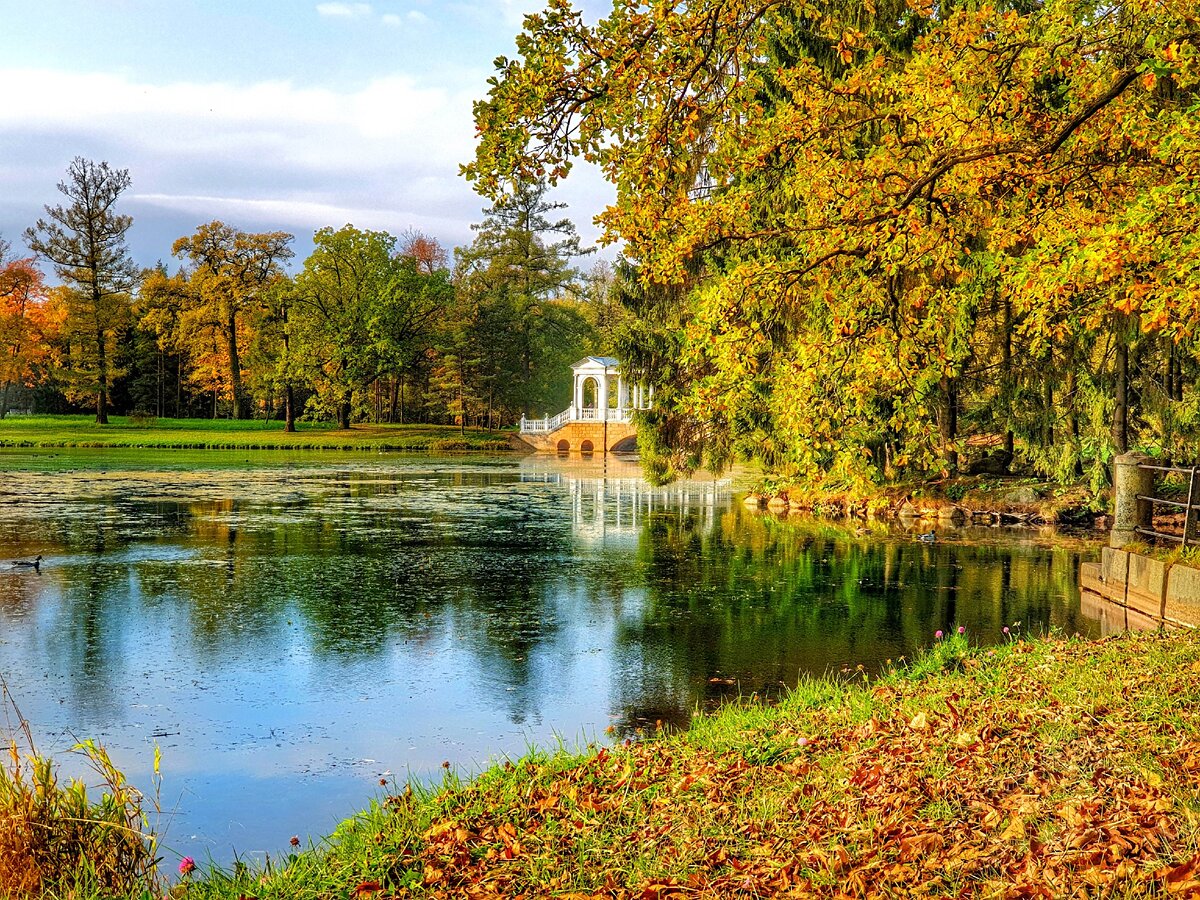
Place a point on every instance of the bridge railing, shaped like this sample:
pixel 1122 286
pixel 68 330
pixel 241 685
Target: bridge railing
pixel 546 424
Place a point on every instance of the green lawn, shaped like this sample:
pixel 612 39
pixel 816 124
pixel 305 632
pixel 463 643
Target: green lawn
pixel 227 434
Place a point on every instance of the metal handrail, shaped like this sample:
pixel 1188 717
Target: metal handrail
pixel 1191 507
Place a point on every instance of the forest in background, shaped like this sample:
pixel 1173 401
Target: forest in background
pixel 372 327
pixel 865 241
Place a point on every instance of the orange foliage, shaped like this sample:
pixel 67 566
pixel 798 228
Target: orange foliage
pixel 29 324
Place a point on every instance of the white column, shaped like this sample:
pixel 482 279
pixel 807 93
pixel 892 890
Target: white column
pixel 602 399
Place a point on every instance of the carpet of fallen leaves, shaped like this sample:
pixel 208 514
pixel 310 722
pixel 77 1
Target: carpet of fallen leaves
pixel 1043 769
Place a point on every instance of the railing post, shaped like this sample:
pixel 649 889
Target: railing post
pixel 1129 512
pixel 1191 519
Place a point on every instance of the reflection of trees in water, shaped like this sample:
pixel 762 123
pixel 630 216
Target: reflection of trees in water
pixel 19 591
pixel 364 584
pixel 677 592
pixel 754 603
pixel 92 526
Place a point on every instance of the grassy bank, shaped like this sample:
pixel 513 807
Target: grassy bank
pixel 1043 769
pixel 227 434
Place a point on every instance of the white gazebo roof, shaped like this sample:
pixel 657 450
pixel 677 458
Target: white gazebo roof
pixel 594 363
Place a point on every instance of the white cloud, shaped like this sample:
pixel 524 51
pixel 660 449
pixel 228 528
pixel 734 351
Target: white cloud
pixel 262 155
pixel 299 213
pixel 301 157
pixel 390 19
pixel 418 17
pixel 344 10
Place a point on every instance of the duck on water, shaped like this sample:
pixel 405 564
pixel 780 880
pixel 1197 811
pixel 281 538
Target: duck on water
pixel 35 564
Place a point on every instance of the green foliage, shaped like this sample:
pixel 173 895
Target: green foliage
pixel 520 321
pixel 861 234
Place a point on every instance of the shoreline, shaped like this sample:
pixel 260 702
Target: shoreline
pixel 1027 766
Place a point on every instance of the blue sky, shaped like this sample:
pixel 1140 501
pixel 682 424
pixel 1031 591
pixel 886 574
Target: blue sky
pixel 267 115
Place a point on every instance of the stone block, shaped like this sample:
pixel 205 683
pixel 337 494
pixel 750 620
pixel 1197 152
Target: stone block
pixel 1115 566
pixel 1183 595
pixel 1089 578
pixel 1146 587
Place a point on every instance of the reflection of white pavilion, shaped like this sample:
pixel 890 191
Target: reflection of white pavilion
pixel 609 509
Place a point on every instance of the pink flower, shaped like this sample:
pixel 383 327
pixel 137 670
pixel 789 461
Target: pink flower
pixel 938 634
pixel 962 629
pixel 187 866
pixel 1005 629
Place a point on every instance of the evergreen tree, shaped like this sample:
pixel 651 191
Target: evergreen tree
pixel 85 242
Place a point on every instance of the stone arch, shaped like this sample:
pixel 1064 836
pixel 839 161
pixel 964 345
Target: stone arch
pixel 625 444
pixel 591 393
pixel 587 448
pixel 564 446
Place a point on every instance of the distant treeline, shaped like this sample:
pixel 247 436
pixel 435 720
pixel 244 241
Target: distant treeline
pixel 372 328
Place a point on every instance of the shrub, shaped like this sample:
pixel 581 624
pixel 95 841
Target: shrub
pixel 56 839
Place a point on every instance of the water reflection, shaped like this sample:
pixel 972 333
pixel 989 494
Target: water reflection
pixel 291 628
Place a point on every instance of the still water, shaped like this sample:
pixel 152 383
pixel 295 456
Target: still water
pixel 291 628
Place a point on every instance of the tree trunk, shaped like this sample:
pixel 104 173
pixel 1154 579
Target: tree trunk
pixel 235 368
pixel 949 422
pixel 343 413
pixel 4 399
pixel 1007 383
pixel 289 410
pixel 1169 375
pixel 1072 387
pixel 102 372
pixel 1120 423
pixel 395 399
pixel 1048 409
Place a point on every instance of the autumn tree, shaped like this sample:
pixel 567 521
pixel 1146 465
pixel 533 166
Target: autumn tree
pixel 28 328
pixel 406 326
pixel 229 274
pixel 85 242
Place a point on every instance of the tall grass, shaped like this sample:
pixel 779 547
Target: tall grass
pixel 57 839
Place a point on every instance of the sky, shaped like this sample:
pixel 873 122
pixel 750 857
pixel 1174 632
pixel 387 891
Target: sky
pixel 266 114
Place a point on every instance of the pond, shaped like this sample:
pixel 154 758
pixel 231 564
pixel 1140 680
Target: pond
pixel 291 628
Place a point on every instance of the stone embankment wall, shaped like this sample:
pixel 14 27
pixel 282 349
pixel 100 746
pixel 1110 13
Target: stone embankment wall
pixel 1166 593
